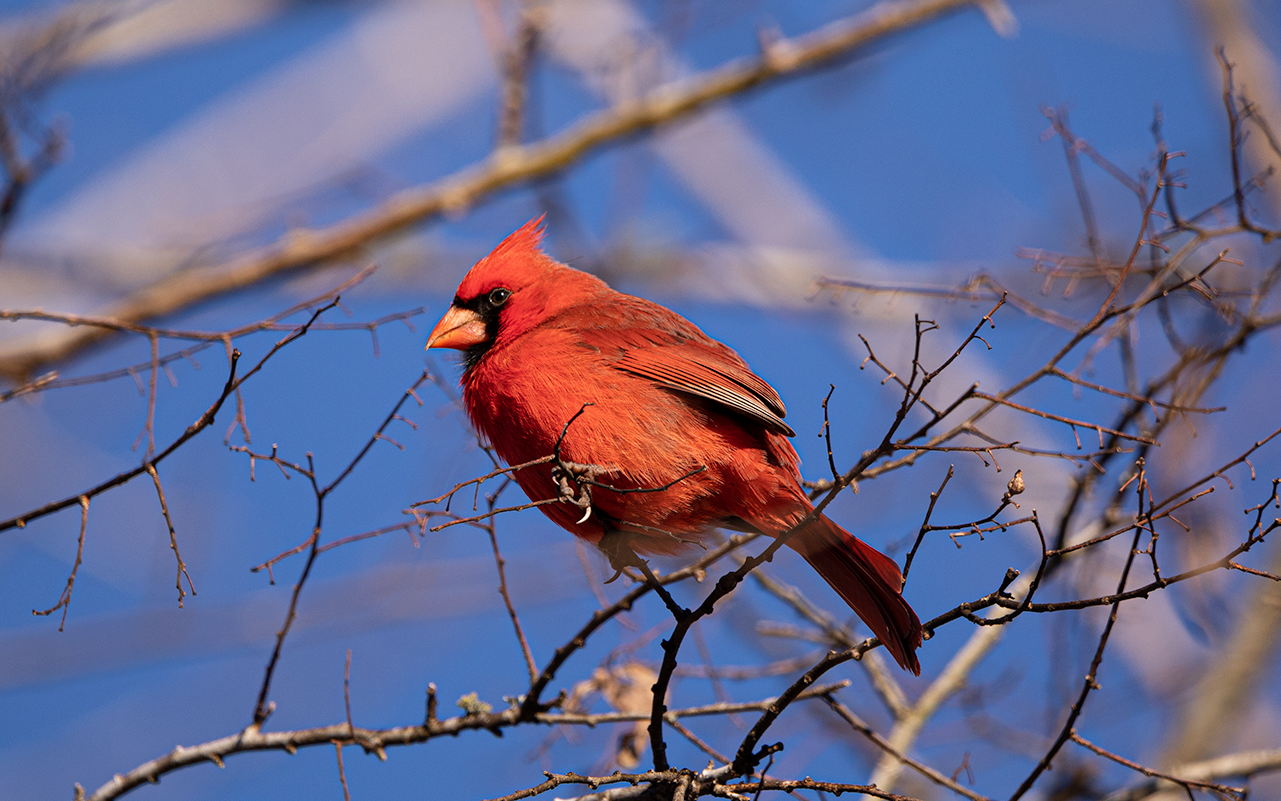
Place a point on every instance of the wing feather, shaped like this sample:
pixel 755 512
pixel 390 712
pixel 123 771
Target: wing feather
pixel 642 338
pixel 647 340
pixel 706 373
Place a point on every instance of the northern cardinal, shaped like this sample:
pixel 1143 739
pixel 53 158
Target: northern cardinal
pixel 658 404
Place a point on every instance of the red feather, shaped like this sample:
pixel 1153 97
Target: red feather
pixel 542 340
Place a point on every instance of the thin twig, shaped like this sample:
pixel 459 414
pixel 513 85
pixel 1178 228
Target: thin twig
pixel 173 537
pixel 64 600
pixel 501 563
pixel 1187 784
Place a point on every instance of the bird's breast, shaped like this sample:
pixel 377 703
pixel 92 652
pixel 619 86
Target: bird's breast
pixel 525 399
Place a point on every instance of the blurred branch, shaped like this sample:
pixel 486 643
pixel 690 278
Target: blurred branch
pixel 1227 26
pixel 303 249
pixel 1215 707
pixel 35 56
pixel 22 171
pixel 1244 763
pixel 514 57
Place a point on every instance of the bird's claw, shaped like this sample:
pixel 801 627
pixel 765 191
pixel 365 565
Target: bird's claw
pixel 617 547
pixel 571 486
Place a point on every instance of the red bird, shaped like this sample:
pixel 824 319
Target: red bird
pixel 661 404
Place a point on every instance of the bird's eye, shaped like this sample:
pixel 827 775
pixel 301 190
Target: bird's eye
pixel 498 297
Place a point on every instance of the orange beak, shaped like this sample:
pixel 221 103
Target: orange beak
pixel 458 329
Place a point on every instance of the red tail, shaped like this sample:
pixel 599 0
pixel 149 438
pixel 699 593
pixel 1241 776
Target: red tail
pixel 869 581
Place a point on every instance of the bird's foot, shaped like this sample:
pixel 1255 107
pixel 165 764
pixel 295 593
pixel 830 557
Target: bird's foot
pixel 617 547
pixel 574 483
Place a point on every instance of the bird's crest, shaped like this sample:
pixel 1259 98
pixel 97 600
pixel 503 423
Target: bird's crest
pixel 526 239
pixel 518 261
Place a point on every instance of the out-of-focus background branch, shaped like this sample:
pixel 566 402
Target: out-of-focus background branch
pixel 511 164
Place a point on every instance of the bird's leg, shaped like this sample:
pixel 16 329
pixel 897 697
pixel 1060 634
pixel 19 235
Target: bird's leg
pixel 571 487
